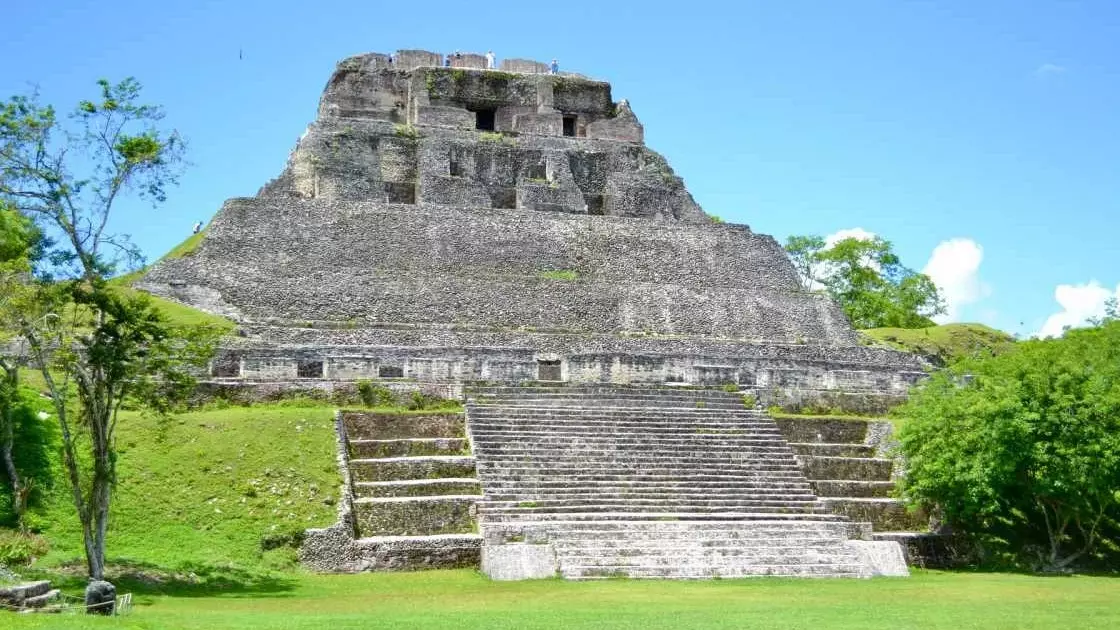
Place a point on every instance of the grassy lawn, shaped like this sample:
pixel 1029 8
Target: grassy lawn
pixel 464 599
pixel 197 492
pixel 943 344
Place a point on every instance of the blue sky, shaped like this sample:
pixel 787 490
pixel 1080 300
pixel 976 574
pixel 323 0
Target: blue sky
pixel 988 128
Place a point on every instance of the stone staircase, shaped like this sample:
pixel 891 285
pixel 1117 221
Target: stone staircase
pixel 410 491
pixel 845 463
pixel 30 597
pixel 605 481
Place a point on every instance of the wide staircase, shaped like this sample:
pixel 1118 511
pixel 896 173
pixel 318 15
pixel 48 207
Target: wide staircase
pixel 844 460
pixel 414 488
pixel 609 481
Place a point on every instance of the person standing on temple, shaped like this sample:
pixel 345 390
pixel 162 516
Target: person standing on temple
pixel 555 67
pixel 490 60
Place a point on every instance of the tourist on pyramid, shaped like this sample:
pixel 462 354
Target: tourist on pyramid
pixel 490 60
pixel 555 67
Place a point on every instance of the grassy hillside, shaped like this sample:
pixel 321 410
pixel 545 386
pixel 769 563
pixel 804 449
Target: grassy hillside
pixel 199 491
pixel 942 344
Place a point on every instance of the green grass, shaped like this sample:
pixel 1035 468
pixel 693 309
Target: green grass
pixel 567 275
pixel 943 344
pixel 199 490
pixel 463 599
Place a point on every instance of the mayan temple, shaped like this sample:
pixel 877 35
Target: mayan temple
pixel 506 237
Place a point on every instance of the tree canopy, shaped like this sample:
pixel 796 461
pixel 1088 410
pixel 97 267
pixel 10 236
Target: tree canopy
pixel 1022 450
pixel 868 280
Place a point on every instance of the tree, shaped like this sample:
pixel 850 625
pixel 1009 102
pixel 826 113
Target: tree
pixel 1022 450
pixel 868 280
pixel 19 245
pixel 98 344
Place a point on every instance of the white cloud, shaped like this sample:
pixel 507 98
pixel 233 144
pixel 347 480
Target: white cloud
pixel 856 233
pixel 1049 69
pixel 1080 303
pixel 954 266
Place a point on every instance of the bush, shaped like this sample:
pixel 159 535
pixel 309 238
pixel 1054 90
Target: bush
pixel 1022 450
pixel 374 395
pixel 21 548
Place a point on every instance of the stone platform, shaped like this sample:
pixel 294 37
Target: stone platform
pixel 594 482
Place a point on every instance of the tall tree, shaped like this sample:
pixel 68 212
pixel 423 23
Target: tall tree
pixel 868 280
pixel 19 245
pixel 1023 449
pixel 96 344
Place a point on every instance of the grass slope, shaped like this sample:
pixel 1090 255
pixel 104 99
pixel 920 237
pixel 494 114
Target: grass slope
pixel 943 344
pixel 198 491
pixel 464 599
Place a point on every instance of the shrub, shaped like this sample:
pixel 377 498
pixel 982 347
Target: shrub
pixel 730 388
pixel 20 548
pixel 374 395
pixel 568 275
pixel 1022 450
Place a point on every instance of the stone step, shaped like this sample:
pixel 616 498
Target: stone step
pixel 415 516
pixel 848 468
pixel 689 530
pixel 883 514
pixel 851 488
pixel 619 442
pixel 364 425
pixel 534 516
pixel 851 570
pixel 418 487
pixel 523 410
pixel 832 450
pixel 402 468
pixel 562 494
pixel 652 458
pixel 41 601
pixel 369 449
pixel 579 449
pixel 598 388
pixel 823 430
pixel 668 464
pixel 683 425
pixel 536 476
pixel 600 397
pixel 17 593
pixel 527 508
pixel 584 432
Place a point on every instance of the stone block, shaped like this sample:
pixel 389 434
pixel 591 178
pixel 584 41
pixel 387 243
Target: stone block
pixel 387 426
pixel 881 558
pixel 615 129
pixel 445 116
pixel 413 59
pixel 474 61
pixel 519 561
pixel 539 123
pixel 414 516
pixel 524 66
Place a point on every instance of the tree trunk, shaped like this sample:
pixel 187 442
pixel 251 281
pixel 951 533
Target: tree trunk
pixel 10 393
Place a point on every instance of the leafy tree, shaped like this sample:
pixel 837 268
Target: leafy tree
pixel 1023 449
pixel 98 345
pixel 19 244
pixel 868 280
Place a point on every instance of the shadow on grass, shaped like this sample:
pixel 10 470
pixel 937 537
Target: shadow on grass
pixel 185 580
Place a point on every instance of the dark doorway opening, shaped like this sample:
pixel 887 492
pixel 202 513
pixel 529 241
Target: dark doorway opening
pixel 569 125
pixel 484 119
pixel 309 369
pixel 390 371
pixel 548 371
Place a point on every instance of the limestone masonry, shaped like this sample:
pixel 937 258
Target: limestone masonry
pixel 442 225
pixel 463 231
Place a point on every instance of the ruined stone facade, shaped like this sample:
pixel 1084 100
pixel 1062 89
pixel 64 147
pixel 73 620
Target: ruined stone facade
pixel 447 224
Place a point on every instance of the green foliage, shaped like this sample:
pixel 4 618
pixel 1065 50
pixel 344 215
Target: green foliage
pixel 205 489
pixel 463 598
pixel 567 275
pixel 1023 449
pixel 18 548
pixel 496 137
pixel 750 401
pixel 868 280
pixel 419 401
pixel 406 131
pixel 944 344
pixel 34 440
pixel 375 395
pixel 730 388
pixel 715 218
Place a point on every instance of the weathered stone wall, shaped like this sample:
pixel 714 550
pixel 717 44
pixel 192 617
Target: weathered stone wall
pixel 363 263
